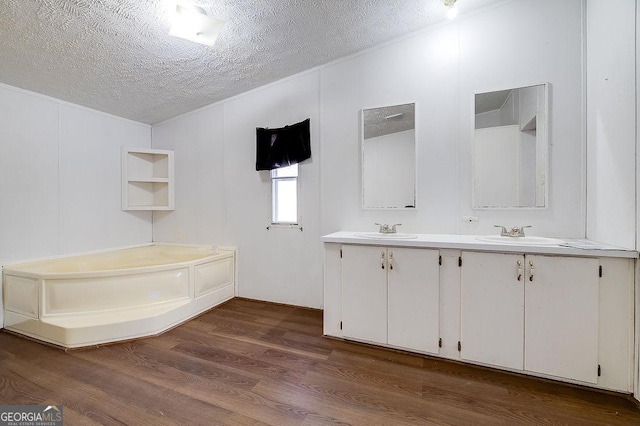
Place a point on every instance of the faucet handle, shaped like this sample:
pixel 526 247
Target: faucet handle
pixel 384 228
pixel 503 231
pixel 393 228
pixel 521 231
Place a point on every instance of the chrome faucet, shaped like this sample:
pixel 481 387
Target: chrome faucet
pixel 513 232
pixel 386 229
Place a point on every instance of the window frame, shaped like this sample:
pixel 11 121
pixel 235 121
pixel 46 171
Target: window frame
pixel 274 197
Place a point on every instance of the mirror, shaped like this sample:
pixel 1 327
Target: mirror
pixel 510 148
pixel 389 157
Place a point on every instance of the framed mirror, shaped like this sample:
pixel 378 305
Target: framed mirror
pixel 510 145
pixel 389 157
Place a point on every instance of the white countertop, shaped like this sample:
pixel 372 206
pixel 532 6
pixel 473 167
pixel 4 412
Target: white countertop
pixel 572 247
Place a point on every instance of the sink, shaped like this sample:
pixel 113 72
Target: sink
pixel 525 241
pixel 382 236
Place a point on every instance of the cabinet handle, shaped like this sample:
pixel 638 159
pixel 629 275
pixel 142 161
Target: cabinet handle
pixel 382 260
pixel 391 260
pixel 519 270
pixel 531 270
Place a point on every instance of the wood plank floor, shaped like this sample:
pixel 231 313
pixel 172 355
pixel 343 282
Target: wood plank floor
pixel 256 363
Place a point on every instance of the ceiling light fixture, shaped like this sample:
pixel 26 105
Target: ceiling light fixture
pixel 452 10
pixel 192 23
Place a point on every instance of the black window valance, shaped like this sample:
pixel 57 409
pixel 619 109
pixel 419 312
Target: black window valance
pixel 282 147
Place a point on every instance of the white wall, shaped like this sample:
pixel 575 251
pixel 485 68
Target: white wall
pixel 90 181
pixel 423 69
pixel 519 44
pixel 488 119
pixel 200 204
pixel 637 194
pixel 29 217
pixel 60 174
pixel 221 199
pixel 611 122
pixel 282 264
pixel 497 186
pixel 389 170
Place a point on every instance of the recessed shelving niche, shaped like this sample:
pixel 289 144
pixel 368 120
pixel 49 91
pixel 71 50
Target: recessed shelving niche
pixel 147 179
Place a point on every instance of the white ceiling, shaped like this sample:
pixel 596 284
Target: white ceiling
pixel 390 119
pixel 116 55
pixel 491 101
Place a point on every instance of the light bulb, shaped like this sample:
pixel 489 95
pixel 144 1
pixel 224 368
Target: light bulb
pixel 452 12
pixel 192 23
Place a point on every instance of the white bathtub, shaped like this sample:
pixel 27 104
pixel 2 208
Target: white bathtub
pixel 96 298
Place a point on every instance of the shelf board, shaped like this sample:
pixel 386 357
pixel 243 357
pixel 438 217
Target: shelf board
pixel 146 207
pixel 150 180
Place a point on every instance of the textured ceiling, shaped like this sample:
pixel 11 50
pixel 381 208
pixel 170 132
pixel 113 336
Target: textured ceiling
pixel 390 119
pixel 116 56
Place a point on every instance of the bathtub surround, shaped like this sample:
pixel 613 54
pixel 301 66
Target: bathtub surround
pixel 98 298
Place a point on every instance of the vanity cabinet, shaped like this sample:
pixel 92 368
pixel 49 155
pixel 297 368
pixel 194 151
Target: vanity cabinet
pixel 390 296
pixel 559 312
pixel 531 312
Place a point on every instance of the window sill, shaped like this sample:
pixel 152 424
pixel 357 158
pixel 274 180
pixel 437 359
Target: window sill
pixel 284 226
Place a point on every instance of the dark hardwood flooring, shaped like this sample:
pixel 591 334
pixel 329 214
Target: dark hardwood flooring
pixel 256 363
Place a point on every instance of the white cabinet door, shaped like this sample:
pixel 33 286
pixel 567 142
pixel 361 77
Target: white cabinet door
pixel 561 317
pixel 364 293
pixel 414 299
pixel 492 309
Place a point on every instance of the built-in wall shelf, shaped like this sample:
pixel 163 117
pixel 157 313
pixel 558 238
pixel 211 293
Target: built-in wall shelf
pixel 147 179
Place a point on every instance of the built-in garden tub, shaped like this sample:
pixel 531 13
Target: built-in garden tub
pixel 96 298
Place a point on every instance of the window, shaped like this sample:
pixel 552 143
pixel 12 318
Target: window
pixel 284 195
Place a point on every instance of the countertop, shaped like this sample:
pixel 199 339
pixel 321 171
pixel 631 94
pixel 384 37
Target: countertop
pixel 571 247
